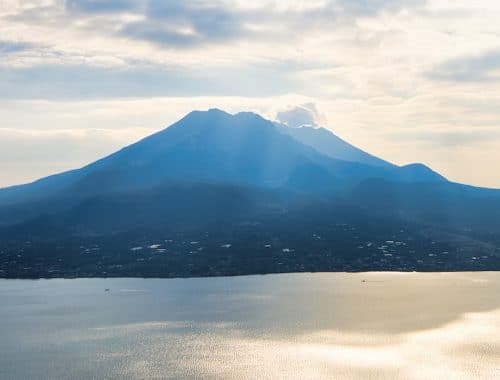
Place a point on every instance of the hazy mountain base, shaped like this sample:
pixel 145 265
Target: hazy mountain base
pixel 210 230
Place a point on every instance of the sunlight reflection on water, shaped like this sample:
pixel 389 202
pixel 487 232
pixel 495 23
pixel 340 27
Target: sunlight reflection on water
pixel 297 326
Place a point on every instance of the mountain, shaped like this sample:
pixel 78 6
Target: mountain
pixel 203 147
pixel 217 177
pixel 327 143
pixel 437 205
pixel 213 147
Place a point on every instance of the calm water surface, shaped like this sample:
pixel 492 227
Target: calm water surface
pixel 293 326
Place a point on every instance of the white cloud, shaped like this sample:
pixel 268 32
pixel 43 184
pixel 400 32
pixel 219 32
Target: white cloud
pixel 303 115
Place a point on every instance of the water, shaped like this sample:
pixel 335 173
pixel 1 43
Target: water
pixel 294 326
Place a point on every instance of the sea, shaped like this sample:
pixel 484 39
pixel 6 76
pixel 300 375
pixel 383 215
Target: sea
pixel 380 325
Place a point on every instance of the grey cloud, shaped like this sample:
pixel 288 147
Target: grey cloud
pixel 469 69
pixel 9 47
pixel 207 23
pixel 103 6
pixel 166 22
pixel 211 25
pixel 367 7
pixel 450 138
pixel 84 82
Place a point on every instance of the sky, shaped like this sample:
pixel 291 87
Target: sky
pixel 406 80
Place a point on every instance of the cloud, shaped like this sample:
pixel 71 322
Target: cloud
pixel 9 47
pixel 484 68
pixel 303 115
pixel 370 7
pixel 458 137
pixel 102 6
pixel 183 24
pixel 84 81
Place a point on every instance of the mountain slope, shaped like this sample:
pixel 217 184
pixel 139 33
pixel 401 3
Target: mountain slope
pixel 166 207
pixel 438 205
pixel 328 143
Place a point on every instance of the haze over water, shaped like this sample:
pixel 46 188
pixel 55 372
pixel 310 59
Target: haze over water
pixel 298 326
